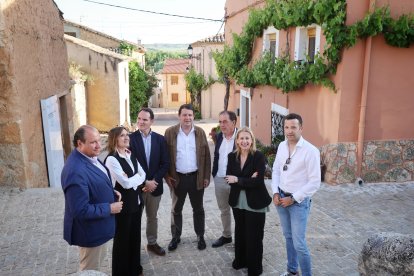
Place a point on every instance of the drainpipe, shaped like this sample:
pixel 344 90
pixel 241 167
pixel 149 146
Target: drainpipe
pixel 364 96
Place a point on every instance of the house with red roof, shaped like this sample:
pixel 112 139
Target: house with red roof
pixel 172 83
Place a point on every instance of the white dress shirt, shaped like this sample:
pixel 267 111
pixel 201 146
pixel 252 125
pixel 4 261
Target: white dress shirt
pixel 186 161
pixel 118 175
pixel 225 148
pixel 94 160
pixel 303 175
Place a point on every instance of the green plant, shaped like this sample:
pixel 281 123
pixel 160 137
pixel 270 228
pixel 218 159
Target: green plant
pixel 195 83
pixel 141 86
pixel 235 61
pixel 126 48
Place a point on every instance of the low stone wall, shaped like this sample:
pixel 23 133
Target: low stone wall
pixel 340 161
pixel 388 161
pixel 383 161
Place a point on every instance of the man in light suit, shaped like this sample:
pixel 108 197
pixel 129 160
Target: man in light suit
pixel 90 200
pixel 151 151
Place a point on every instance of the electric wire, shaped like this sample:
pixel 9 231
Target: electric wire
pixel 153 12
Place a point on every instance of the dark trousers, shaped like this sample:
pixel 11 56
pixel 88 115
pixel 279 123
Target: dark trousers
pixel 126 258
pixel 248 240
pixel 187 185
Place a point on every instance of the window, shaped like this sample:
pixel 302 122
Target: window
pixel 174 97
pixel 174 80
pixel 278 113
pixel 307 42
pixel 311 43
pixel 245 108
pixel 271 41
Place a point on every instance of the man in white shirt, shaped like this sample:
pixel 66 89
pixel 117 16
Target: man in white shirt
pixel 189 173
pixel 296 177
pixel 224 145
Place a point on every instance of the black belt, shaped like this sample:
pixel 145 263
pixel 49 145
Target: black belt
pixel 187 174
pixel 284 194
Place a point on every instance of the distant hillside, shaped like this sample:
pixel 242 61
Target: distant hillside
pixel 166 47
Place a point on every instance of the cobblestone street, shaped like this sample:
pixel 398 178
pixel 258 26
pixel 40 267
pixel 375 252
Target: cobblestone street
pixel 342 218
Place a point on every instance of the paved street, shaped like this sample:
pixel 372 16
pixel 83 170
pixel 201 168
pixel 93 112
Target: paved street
pixel 342 218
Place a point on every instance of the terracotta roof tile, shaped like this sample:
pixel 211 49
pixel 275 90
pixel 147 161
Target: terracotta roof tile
pixel 175 66
pixel 219 38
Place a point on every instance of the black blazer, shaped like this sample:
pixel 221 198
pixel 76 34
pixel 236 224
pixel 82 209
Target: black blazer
pixel 256 192
pixel 159 158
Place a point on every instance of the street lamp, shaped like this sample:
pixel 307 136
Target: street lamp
pixel 190 53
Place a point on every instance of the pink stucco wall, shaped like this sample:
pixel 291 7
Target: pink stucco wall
pixel 334 117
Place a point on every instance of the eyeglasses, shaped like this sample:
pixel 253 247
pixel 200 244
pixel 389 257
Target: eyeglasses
pixel 285 167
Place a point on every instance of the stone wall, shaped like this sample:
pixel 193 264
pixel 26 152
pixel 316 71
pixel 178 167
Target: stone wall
pixel 383 161
pixel 33 66
pixel 388 161
pixel 107 95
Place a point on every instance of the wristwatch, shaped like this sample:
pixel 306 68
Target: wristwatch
pixel 293 199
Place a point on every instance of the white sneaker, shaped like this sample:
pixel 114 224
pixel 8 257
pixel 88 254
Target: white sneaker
pixel 288 273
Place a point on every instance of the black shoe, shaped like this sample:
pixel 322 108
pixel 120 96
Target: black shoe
pixel 173 244
pixel 201 245
pixel 221 241
pixel 237 265
pixel 155 248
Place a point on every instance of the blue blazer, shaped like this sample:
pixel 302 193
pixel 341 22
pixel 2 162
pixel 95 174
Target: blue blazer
pixel 159 158
pixel 88 194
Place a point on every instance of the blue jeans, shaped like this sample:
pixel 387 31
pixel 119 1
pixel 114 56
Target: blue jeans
pixel 293 220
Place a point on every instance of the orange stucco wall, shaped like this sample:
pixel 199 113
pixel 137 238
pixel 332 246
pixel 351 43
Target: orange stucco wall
pixel 334 117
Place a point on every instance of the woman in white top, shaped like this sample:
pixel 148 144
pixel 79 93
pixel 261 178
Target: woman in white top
pixel 127 176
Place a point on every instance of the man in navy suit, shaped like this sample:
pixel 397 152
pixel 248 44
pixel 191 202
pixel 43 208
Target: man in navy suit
pixel 151 151
pixel 90 200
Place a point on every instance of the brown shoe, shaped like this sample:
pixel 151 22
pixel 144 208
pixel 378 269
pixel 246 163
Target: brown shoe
pixel 155 248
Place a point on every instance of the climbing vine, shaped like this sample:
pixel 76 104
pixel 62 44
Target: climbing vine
pixel 288 75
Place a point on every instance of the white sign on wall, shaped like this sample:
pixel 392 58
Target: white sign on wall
pixel 53 139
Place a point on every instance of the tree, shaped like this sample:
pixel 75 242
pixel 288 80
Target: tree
pixel 141 86
pixel 195 83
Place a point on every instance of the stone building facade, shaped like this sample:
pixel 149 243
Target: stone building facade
pixel 107 93
pixel 212 99
pixel 103 40
pixel 33 66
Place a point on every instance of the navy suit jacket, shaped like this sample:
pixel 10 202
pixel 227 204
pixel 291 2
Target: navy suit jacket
pixel 219 140
pixel 159 158
pixel 88 194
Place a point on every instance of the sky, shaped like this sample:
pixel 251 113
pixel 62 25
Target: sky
pixel 133 25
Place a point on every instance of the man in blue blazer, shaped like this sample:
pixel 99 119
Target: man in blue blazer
pixel 90 200
pixel 151 151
